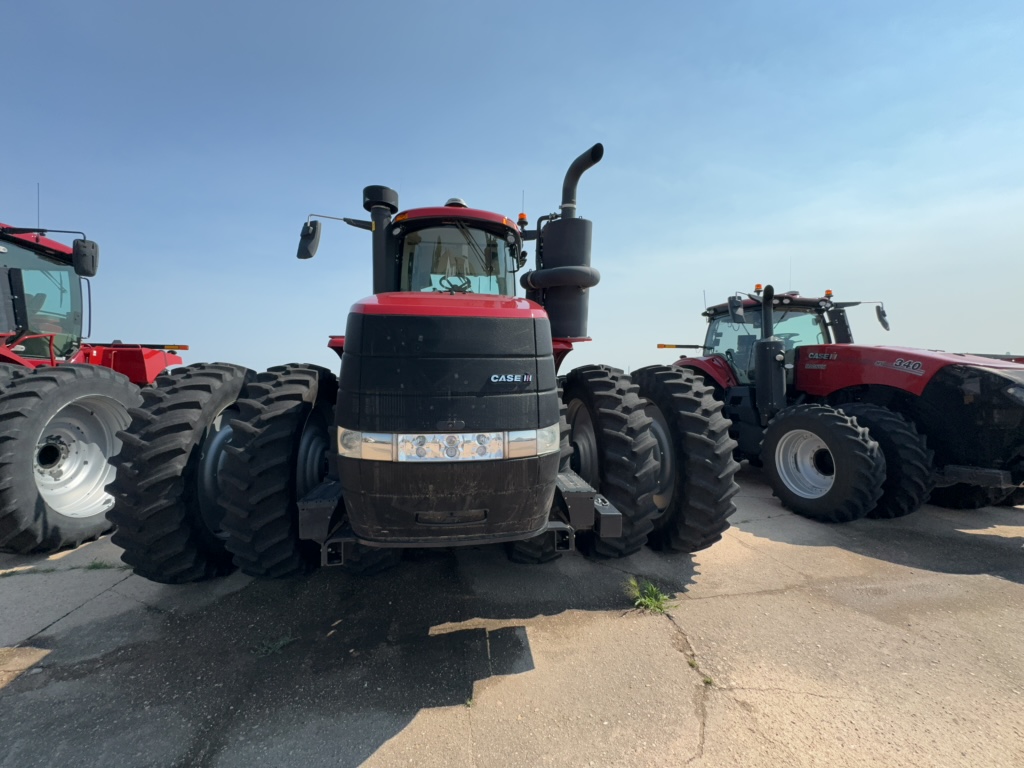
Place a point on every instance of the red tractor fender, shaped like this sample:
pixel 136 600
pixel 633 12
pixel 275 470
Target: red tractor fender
pixel 823 369
pixel 714 368
pixel 141 364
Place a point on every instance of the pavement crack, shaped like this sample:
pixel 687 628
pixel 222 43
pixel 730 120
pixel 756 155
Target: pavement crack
pixel 76 608
pixel 703 692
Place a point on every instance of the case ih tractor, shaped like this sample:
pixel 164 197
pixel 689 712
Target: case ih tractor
pixel 62 402
pixel 448 425
pixel 845 430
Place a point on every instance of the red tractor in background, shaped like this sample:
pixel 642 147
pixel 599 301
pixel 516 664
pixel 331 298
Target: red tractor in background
pixel 62 401
pixel 448 425
pixel 845 430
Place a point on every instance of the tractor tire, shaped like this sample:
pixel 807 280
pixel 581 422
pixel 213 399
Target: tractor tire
pixel 168 511
pixel 964 496
pixel 697 479
pixel 908 461
pixel 279 449
pixel 1015 499
pixel 58 428
pixel 613 451
pixel 541 549
pixel 9 372
pixel 821 464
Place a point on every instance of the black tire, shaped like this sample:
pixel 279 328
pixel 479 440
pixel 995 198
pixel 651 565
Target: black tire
pixel 613 450
pixel 541 549
pixel 964 496
pixel 167 510
pixel 58 428
pixel 821 464
pixel 908 460
pixel 279 449
pixel 9 372
pixel 1015 499
pixel 697 471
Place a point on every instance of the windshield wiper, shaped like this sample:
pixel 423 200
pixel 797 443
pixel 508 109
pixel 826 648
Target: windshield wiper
pixel 473 244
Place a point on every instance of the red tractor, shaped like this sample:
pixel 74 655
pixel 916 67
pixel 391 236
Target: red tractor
pixel 62 401
pixel 845 430
pixel 448 425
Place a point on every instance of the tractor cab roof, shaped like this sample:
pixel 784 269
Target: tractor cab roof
pixel 36 242
pixel 791 300
pixel 467 216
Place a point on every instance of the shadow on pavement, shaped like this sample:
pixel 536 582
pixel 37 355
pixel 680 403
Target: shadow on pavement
pixel 983 541
pixel 314 671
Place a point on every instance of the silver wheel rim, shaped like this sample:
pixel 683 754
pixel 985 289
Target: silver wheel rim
pixel 664 455
pixel 210 463
pixel 584 442
pixel 805 464
pixel 70 458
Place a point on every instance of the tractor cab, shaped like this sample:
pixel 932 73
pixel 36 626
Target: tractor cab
pixel 41 306
pixel 456 249
pixel 798 320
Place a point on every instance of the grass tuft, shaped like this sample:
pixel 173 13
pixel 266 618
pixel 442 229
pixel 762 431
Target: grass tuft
pixel 646 595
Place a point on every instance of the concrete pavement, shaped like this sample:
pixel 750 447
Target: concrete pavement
pixel 893 643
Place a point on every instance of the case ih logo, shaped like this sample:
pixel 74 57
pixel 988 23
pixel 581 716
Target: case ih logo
pixel 512 377
pixel 823 356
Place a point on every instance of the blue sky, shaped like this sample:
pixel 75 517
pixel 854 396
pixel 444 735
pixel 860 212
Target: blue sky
pixel 873 148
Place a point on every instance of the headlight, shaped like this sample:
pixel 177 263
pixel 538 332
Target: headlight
pixel 548 440
pixel 470 446
pixel 375 446
pixel 448 446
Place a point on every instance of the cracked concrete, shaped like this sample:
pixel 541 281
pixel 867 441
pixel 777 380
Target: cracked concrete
pixel 894 643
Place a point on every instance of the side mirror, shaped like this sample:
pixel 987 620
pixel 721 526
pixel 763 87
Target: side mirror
pixel 882 317
pixel 309 239
pixel 736 310
pixel 85 257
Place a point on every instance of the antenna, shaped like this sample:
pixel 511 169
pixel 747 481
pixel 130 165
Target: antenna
pixel 791 271
pixel 524 201
pixel 705 298
pixel 37 206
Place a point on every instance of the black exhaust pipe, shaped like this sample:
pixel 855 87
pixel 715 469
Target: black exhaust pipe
pixel 769 363
pixel 588 159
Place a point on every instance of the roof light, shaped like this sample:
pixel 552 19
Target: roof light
pixel 828 293
pixel 758 288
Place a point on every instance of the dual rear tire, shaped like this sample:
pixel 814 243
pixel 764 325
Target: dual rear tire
pixel 58 428
pixel 211 469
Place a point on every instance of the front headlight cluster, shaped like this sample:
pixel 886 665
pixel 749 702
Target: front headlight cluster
pixel 447 446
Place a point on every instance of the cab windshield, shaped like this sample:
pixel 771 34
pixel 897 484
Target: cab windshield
pixel 735 341
pixel 456 257
pixel 53 298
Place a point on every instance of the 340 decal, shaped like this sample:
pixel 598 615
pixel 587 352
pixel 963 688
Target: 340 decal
pixel 916 367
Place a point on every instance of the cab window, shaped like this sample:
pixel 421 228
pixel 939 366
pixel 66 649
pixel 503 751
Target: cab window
pixel 457 258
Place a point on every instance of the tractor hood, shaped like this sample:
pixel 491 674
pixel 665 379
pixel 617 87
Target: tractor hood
pixel 825 368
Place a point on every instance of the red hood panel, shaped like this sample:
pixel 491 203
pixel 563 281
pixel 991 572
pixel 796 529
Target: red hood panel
pixel 824 368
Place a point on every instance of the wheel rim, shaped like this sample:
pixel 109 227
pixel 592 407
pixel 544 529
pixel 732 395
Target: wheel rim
pixel 805 464
pixel 663 454
pixel 311 462
pixel 210 463
pixel 583 437
pixel 70 458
